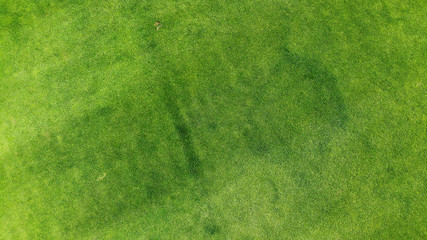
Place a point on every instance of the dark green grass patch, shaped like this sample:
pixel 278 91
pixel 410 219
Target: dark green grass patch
pixel 234 120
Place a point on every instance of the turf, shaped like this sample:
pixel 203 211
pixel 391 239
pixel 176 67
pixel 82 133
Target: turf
pixel 234 120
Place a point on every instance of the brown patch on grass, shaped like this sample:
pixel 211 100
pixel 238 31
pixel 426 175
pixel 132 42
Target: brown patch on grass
pixel 158 25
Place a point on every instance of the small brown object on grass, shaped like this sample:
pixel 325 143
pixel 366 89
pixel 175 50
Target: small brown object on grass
pixel 157 25
pixel 101 177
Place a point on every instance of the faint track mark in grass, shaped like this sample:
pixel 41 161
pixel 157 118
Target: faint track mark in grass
pixel 273 185
pixel 183 130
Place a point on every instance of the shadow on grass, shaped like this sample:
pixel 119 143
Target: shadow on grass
pixel 327 104
pixel 104 163
pixel 183 130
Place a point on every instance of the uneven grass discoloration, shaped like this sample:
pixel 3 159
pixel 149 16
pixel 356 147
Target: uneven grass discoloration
pixel 326 100
pixel 237 119
pixel 183 130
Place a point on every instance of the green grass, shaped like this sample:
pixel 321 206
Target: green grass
pixel 235 120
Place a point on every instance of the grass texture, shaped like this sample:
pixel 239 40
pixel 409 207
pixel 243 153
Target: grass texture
pixel 272 119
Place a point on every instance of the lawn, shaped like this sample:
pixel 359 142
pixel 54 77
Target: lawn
pixel 256 119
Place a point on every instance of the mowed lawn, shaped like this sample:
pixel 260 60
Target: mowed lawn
pixel 256 119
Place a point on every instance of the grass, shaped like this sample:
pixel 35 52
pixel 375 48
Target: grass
pixel 234 120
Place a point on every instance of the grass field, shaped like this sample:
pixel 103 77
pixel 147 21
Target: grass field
pixel 256 119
